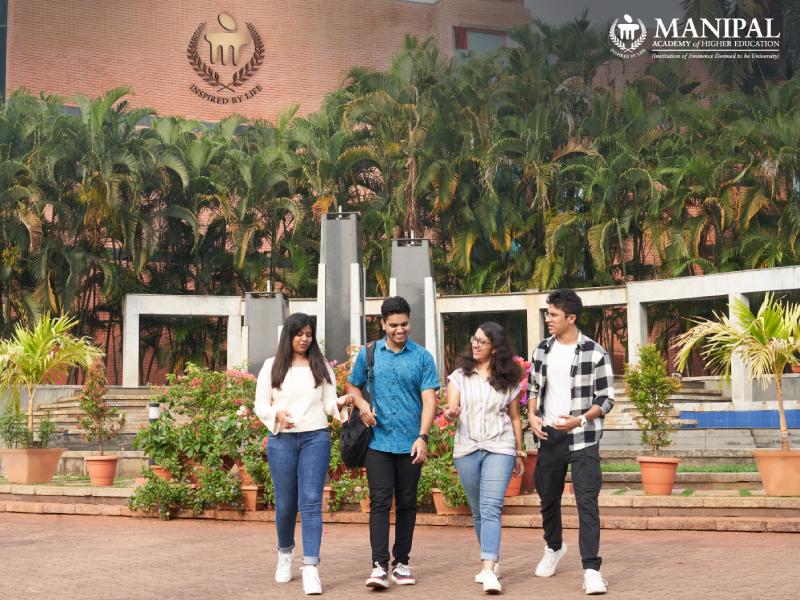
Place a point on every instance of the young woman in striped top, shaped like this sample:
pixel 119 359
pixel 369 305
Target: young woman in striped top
pixel 483 395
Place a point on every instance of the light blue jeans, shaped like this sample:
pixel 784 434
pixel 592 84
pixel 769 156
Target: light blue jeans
pixel 485 477
pixel 298 463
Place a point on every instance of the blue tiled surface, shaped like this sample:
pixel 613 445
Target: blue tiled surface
pixel 741 419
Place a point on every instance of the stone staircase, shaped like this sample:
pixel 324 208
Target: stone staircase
pixel 689 396
pixel 132 402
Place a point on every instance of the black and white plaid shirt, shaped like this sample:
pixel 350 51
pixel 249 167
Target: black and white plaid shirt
pixel 592 383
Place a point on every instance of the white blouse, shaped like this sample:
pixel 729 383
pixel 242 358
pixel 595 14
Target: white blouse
pixel 484 422
pixel 308 405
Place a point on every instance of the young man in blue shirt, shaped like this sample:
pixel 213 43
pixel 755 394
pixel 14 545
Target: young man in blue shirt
pixel 404 402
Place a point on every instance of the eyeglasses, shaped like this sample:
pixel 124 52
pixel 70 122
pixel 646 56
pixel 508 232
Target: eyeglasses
pixel 478 342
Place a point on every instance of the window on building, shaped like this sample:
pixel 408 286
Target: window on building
pixel 478 42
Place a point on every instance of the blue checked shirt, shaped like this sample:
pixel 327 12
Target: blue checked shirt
pixel 399 379
pixel 592 383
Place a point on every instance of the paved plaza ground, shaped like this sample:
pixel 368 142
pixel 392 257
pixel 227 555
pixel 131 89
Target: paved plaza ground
pixel 75 557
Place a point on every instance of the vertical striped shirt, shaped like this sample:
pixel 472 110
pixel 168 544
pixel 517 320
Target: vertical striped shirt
pixel 484 423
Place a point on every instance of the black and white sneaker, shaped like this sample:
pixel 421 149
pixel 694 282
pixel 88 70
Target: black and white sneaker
pixel 378 579
pixel 401 575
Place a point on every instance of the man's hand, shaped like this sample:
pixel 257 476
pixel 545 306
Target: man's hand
pixel 519 467
pixel 537 427
pixel 419 451
pixel 284 419
pixel 367 415
pixel 451 413
pixel 567 423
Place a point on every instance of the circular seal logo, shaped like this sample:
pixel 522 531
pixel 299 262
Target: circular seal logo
pixel 627 37
pixel 226 78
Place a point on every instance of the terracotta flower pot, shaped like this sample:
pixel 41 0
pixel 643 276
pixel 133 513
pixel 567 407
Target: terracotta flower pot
pixel 245 477
pixel 161 472
pixel 514 486
pixel 530 468
pixel 102 469
pixel 658 474
pixel 327 494
pixel 30 465
pixel 443 508
pixel 252 493
pixel 779 471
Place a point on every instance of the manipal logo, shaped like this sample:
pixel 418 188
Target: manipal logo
pixel 627 37
pixel 226 78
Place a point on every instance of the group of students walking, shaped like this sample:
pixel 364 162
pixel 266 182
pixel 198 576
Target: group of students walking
pixel 571 388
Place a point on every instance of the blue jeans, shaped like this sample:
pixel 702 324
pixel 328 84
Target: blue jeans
pixel 298 463
pixel 485 477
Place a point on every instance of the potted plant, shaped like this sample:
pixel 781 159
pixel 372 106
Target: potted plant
pixel 650 387
pixel 448 495
pixel 28 359
pixel 100 422
pixel 526 485
pixel 766 343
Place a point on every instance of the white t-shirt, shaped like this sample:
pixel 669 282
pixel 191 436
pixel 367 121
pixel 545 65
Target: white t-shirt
pixel 308 405
pixel 558 395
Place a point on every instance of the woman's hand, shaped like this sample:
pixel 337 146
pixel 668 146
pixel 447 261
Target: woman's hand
pixel 284 419
pixel 519 467
pixel 451 413
pixel 346 400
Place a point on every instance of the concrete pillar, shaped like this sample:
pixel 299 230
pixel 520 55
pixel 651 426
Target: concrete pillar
pixel 535 321
pixel 411 265
pixel 431 331
pixel 130 343
pixel 358 324
pixel 637 327
pixel 741 384
pixel 264 314
pixel 340 249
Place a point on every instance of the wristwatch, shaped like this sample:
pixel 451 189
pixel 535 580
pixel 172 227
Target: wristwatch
pixel 583 420
pixel 423 437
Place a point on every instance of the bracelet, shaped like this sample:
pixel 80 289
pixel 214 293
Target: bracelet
pixel 583 420
pixel 521 453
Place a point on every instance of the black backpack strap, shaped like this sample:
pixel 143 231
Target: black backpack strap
pixel 370 353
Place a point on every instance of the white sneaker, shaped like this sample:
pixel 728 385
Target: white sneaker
pixel 547 566
pixel 311 582
pixel 490 583
pixel 479 576
pixel 401 575
pixel 593 582
pixel 283 572
pixel 378 578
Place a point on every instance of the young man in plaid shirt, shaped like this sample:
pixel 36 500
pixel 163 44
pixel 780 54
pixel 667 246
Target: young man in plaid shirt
pixel 574 385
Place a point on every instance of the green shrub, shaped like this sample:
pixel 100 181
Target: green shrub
pixel 649 387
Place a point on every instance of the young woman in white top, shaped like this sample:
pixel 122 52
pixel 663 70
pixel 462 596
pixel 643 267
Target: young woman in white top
pixel 295 393
pixel 483 394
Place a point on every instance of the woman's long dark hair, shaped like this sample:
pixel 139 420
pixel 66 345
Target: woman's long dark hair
pixel 505 373
pixel 283 357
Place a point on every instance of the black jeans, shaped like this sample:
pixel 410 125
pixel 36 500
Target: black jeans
pixel 551 470
pixel 391 475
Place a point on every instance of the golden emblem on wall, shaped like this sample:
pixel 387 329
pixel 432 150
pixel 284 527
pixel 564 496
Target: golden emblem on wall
pixel 223 50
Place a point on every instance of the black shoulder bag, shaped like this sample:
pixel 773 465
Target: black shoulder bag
pixel 354 437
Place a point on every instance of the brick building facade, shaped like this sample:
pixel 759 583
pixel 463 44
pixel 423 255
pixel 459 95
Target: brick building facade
pixel 302 49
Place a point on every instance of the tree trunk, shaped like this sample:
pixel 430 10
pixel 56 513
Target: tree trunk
pixel 781 413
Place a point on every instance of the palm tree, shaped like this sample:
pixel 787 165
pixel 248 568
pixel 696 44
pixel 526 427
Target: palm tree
pixel 766 342
pixel 32 357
